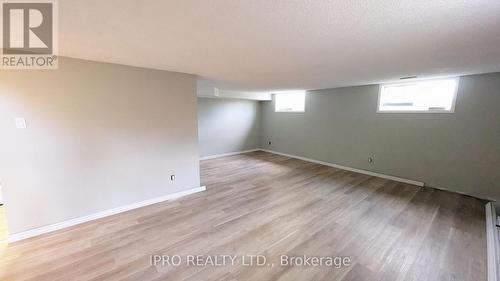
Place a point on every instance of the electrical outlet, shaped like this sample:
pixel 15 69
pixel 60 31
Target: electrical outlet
pixel 172 177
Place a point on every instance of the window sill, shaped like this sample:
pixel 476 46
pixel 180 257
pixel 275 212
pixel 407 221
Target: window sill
pixel 416 111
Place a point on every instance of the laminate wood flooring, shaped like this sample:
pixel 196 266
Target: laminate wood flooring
pixel 271 206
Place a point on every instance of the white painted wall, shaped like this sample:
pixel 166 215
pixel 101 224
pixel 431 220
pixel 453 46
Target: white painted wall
pixel 99 136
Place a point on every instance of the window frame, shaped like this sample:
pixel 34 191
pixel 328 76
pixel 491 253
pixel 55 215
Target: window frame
pixel 289 93
pixel 453 102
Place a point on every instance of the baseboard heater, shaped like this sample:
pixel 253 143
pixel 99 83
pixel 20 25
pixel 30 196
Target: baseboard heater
pixel 493 240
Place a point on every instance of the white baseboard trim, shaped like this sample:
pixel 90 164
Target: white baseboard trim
pixel 229 154
pixel 64 224
pixel 486 198
pixel 398 179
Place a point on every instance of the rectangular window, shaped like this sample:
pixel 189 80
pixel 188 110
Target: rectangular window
pixel 290 101
pixel 432 96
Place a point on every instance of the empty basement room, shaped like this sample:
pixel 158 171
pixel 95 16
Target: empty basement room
pixel 250 140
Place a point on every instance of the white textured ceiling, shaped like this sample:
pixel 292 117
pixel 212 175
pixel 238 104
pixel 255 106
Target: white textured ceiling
pixel 287 44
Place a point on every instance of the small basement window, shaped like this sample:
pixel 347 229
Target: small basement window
pixel 293 101
pixel 429 96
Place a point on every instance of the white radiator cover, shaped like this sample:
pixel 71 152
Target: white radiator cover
pixel 493 240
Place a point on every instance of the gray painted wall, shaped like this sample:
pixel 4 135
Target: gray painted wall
pixel 458 151
pixel 227 125
pixel 99 136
